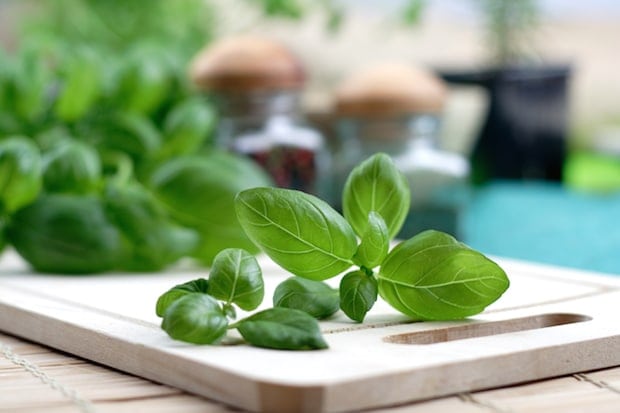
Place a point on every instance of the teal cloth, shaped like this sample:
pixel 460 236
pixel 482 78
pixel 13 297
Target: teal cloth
pixel 544 222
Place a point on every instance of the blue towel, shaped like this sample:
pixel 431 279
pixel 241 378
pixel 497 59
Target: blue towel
pixel 547 223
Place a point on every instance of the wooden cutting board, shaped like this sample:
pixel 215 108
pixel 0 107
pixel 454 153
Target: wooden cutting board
pixel 551 322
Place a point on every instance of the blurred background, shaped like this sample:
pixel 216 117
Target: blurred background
pixel 528 133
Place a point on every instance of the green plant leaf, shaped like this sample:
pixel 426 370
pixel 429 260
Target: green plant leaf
pixel 68 234
pixel 432 276
pixel 199 193
pixel 71 166
pixel 313 297
pixel 375 243
pixel 283 329
pixel 82 85
pixel 195 318
pixel 237 278
pixel 164 301
pixel 20 173
pixel 358 293
pixel 300 232
pixel 376 185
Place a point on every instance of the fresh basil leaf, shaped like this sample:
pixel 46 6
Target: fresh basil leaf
pixel 376 185
pixel 237 278
pixel 301 233
pixel 375 242
pixel 164 301
pixel 313 297
pixel 283 329
pixel 358 293
pixel 432 276
pixel 195 318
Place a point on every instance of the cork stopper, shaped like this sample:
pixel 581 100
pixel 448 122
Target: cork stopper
pixel 246 64
pixel 390 89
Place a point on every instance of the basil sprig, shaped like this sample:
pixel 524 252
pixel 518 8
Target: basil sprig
pixel 192 313
pixel 431 276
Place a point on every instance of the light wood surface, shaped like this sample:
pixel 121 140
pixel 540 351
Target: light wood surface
pixel 110 319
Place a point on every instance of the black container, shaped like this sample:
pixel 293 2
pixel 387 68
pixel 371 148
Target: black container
pixel 524 134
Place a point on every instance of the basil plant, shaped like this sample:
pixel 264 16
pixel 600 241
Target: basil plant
pixel 431 276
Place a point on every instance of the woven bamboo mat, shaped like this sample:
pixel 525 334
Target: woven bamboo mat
pixel 34 378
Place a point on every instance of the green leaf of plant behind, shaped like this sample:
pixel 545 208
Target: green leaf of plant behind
pixel 237 278
pixel 313 297
pixel 375 242
pixel 199 192
pixel 376 185
pixel 283 329
pixel 358 293
pixel 301 233
pixel 434 277
pixel 20 173
pixel 195 318
pixel 164 301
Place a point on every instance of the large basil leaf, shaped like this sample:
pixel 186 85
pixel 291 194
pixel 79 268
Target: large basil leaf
pixel 375 242
pixel 195 318
pixel 313 297
pixel 283 329
pixel 237 278
pixel 199 192
pixel 376 185
pixel 301 233
pixel 434 277
pixel 358 293
pixel 199 285
pixel 68 234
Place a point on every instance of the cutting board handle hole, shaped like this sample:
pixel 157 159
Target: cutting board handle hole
pixel 482 329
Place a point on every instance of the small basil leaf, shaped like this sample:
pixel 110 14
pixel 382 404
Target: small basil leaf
pixel 376 185
pixel 195 318
pixel 358 293
pixel 283 329
pixel 375 242
pixel 301 233
pixel 434 277
pixel 313 297
pixel 164 301
pixel 237 278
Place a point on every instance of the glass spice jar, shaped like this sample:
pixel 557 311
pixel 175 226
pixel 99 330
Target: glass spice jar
pixel 396 109
pixel 256 86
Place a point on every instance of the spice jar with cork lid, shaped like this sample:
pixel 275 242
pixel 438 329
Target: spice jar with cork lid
pixel 256 86
pixel 396 109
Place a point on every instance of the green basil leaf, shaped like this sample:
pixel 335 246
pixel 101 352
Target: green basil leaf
pixel 164 301
pixel 20 173
pixel 195 318
pixel 376 185
pixel 283 329
pixel 313 297
pixel 199 192
pixel 375 242
pixel 432 276
pixel 71 166
pixel 358 293
pixel 237 278
pixel 300 232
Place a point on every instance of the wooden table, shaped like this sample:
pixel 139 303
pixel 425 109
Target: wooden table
pixel 34 378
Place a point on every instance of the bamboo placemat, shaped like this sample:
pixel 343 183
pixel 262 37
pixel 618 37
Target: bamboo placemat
pixel 34 378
